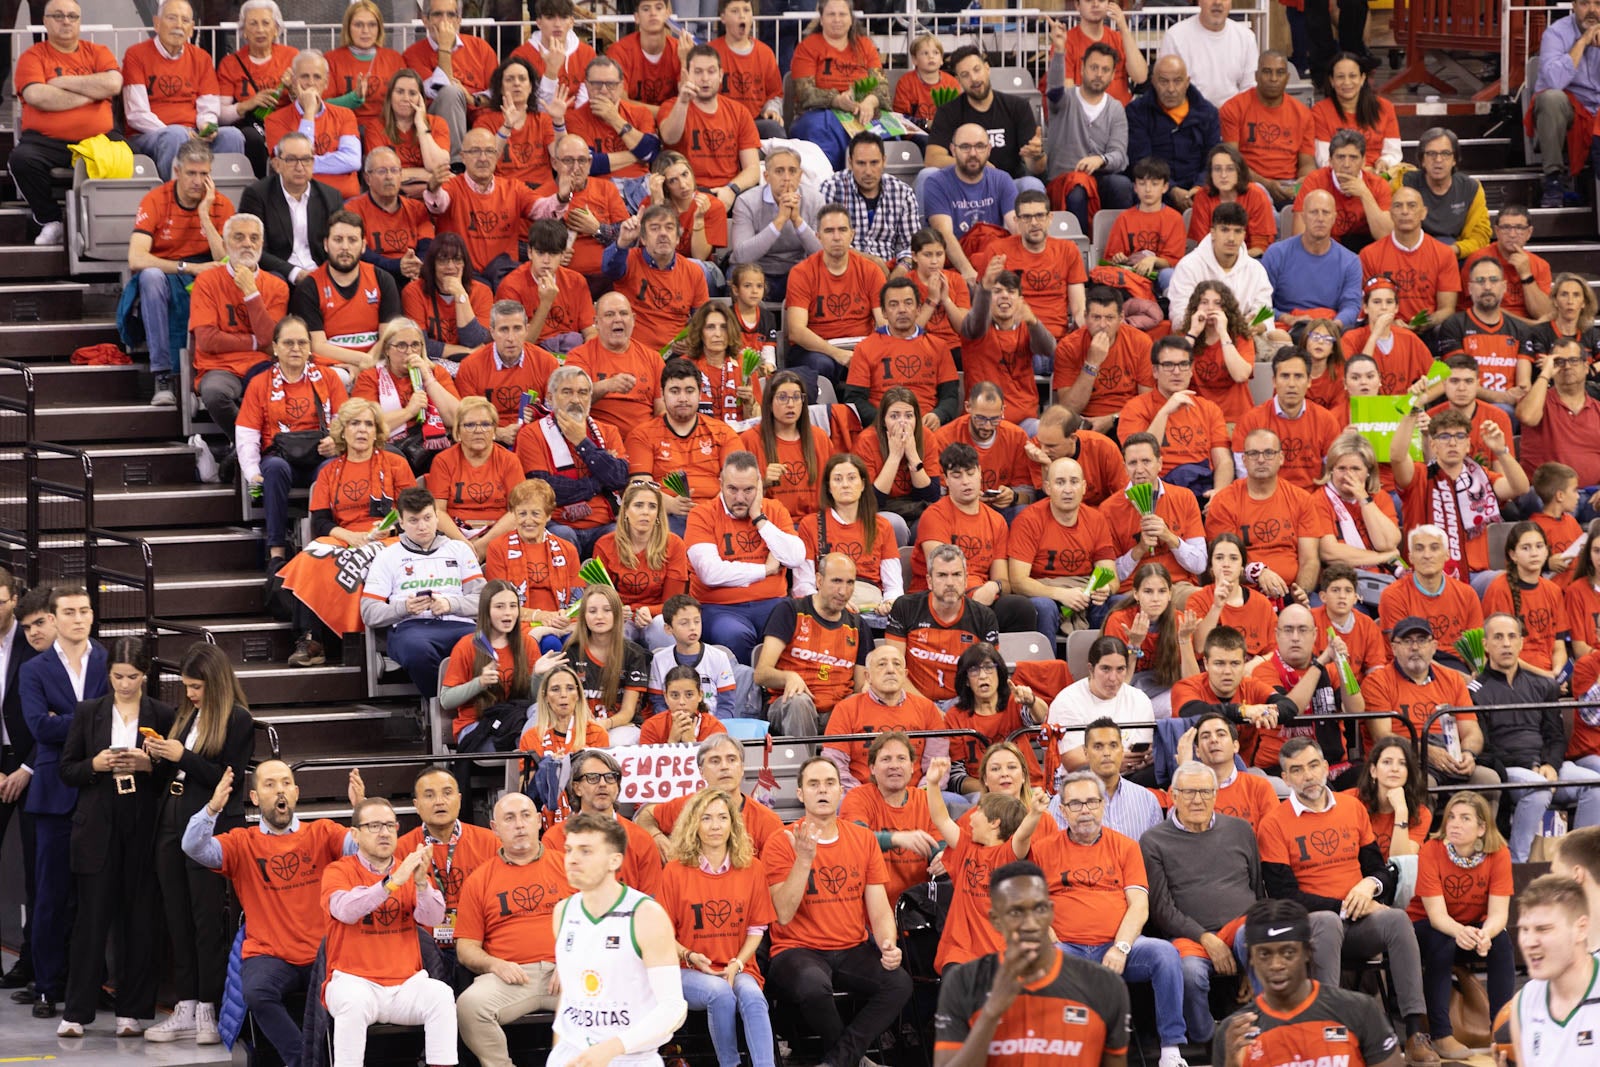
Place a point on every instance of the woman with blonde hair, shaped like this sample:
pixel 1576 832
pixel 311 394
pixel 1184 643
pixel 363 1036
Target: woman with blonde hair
pixel 1352 503
pixel 360 68
pixel 1461 906
pixel 1573 307
pixel 616 672
pixel 647 562
pixel 472 480
pixel 711 858
pixel 1004 769
pixel 415 420
pixel 212 733
pixel 560 723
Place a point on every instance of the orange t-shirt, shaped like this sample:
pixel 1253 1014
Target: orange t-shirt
pixel 712 140
pixel 239 76
pixel 601 138
pixel 1450 612
pixel 1004 357
pixel 352 321
pixel 1271 528
pixel 174 230
pixel 525 155
pixel 1123 375
pixel 1420 274
pixel 1583 612
pixel 294 408
pixel 44 61
pixel 641 865
pixel 1212 380
pixel 1251 690
pixel 480 374
pixel 1321 848
pixel 832 915
pixel 913 97
pixel 759 821
pixel 572 311
pixel 437 315
pixel 1585 739
pixel 506 907
pixel 545 573
pixel 982 538
pixel 871 451
pixel 1176 506
pixel 1045 275
pixel 1158 231
pixel 365 386
pixel 832 68
pixel 657 728
pixel 1327 121
pixel 491 223
pixel 796 491
pixel 1003 461
pixel 277 878
pixel 736 541
pixel 472 63
pixel 940 326
pixel 1304 440
pixel 1542 609
pixel 1078 43
pixel 995 728
pixel 646 80
pixel 1466 890
pixel 1261 227
pixel 382 945
pixel 1089 883
pixel 1323 506
pixel 476 846
pixel 374 136
pixel 550 743
pixel 968 932
pixel 836 305
pixel 851 540
pixel 215 301
pixel 1249 797
pixel 392 235
pixel 1057 550
pixel 1350 216
pixel 655 449
pixel 571 72
pixel 332 124
pixel 1120 622
pixel 752 78
pixel 1255 618
pixel 1513 303
pixel 1559 533
pixel 1368 650
pixel 863 713
pixel 354 490
pixel 1383 824
pixel 370 77
pixel 919 362
pixel 1271 139
pixel 866 806
pixel 600 199
pixel 460 670
pixel 1192 431
pixel 642 585
pixel 662 298
pixel 714 913
pixel 1388 689
pixel 637 405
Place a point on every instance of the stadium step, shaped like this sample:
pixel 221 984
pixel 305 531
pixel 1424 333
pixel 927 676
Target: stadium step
pixel 31 304
pixel 200 551
pixel 279 683
pixel 98 423
pixel 1576 256
pixel 189 506
pixel 52 341
pixel 157 463
pixel 246 639
pixel 64 383
pixel 184 596
pixel 33 261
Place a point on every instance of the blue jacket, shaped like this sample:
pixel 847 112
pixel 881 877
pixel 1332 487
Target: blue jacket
pixel 1151 133
pixel 48 703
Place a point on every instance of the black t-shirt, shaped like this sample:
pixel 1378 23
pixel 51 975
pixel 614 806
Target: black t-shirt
pixel 1010 122
pixel 635 676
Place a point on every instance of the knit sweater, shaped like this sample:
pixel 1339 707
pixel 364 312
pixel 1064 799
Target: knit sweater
pixel 1071 135
pixel 1200 882
pixel 1302 280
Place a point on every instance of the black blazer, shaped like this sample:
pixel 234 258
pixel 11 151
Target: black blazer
pixel 16 722
pixel 201 773
pixel 265 200
pixel 89 733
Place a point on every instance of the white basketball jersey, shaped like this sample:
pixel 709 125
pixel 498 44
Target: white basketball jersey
pixel 1545 1041
pixel 604 989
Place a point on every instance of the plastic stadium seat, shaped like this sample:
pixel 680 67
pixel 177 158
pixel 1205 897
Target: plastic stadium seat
pixel 232 174
pixel 903 159
pixel 100 214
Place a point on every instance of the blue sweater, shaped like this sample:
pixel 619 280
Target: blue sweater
pixel 1302 280
pixel 1151 132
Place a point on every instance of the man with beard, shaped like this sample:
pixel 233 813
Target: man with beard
pixel 1087 136
pixel 979 1001
pixel 902 353
pixel 399 228
pixel 716 133
pixel 1005 122
pixel 828 299
pixel 1280 1025
pixel 1501 343
pixel 1566 95
pixel 936 626
pixel 1004 475
pixel 580 456
pixel 813 651
pixel 1192 430
pixel 1528 292
pixel 884 212
pixel 681 439
pixel 1170 535
pixel 276 871
pixel 666 287
pixel 721 762
pixel 596 783
pixel 504 370
pixel 345 300
pixel 1276 518
pixel 232 315
pixel 1271 129
pixel 1103 364
pixel 1051 269
pixel 1339 884
pixel 504 933
pixel 967 193
pixel 1304 430
pixel 1560 420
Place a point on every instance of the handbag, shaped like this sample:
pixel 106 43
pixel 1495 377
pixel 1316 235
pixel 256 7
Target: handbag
pixel 1469 1009
pixel 298 448
pixel 499 728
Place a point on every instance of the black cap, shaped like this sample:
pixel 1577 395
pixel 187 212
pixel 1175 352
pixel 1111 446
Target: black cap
pixel 1412 624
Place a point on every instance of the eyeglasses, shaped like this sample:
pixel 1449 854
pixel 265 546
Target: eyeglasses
pixel 1451 438
pixel 983 668
pixel 480 151
pixel 573 161
pixel 591 83
pixel 1034 216
pixel 405 346
pixel 384 172
pixel 295 342
pixel 1514 227
pixel 1185 365
pixel 297 161
pixel 1570 361
pixel 478 426
pixel 1193 794
pixel 1078 807
pixel 986 420
pixel 787 397
pixel 1261 453
pixel 379 827
pixel 1443 153
pixel 1325 338
pixel 65 17
pixel 972 147
pixel 596 777
pixel 1413 640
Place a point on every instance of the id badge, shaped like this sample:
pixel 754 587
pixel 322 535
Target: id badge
pixel 445 932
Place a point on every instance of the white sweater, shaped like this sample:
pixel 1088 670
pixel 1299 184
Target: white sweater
pixel 1247 280
pixel 1222 64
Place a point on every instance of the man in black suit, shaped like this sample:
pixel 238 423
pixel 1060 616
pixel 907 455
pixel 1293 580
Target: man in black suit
pixel 294 208
pixel 16 742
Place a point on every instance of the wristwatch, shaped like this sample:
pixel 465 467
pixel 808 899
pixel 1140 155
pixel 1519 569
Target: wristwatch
pixel 1123 947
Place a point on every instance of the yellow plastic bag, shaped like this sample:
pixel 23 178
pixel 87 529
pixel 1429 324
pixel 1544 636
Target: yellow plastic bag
pixel 104 158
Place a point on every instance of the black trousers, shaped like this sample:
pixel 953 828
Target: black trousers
pixel 117 901
pixel 807 979
pixel 195 901
pixel 10 761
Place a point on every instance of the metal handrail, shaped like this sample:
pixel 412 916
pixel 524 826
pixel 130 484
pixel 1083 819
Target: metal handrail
pixel 27 406
pixel 1494 709
pixel 162 665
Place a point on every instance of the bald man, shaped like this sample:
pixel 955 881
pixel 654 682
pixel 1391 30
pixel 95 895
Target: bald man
pixel 1055 546
pixel 489 213
pixel 1311 271
pixel 968 193
pixel 169 92
pixel 593 211
pixel 809 666
pixel 503 931
pixel 1152 131
pixel 276 869
pixel 1423 267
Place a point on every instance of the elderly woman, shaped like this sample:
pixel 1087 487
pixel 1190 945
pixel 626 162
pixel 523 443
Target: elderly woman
pixel 542 567
pixel 1457 214
pixel 417 399
pixel 1352 503
pixel 253 81
pixel 447 301
pixel 989 704
pixel 281 437
pixel 362 67
pixel 472 480
pixel 352 495
pixel 713 347
pixel 421 141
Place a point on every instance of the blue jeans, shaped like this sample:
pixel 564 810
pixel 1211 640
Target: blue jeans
pixel 721 1003
pixel 1195 477
pixel 277 478
pixel 1049 612
pixel 268 982
pixel 162 146
pixel 822 128
pixel 738 626
pixel 155 308
pixel 1528 815
pixel 420 645
pixel 1197 971
pixel 1157 962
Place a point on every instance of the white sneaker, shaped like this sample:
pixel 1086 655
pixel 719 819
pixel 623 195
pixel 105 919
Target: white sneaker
pixel 175 1027
pixel 205 1025
pixel 127 1027
pixel 164 397
pixel 53 233
pixel 1171 1057
pixel 66 1029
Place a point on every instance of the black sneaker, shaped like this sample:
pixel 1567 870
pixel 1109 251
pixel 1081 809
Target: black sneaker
pixel 18 976
pixel 44 1008
pixel 1555 190
pixel 307 653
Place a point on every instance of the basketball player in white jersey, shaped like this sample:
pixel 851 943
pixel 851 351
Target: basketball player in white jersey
pixel 1555 1018
pixel 616 958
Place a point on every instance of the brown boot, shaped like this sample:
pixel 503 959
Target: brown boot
pixel 1449 1048
pixel 1419 1052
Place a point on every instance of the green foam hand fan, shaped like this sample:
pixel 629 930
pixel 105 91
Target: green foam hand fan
pixel 1142 497
pixel 593 572
pixel 1263 315
pixel 1100 579
pixel 943 95
pixel 677 339
pixel 390 521
pixel 1347 674
pixel 1418 321
pixel 749 362
pixel 1470 646
pixel 676 483
pixel 416 385
pixel 864 87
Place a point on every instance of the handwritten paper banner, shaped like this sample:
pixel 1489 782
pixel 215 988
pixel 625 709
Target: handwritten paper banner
pixel 653 773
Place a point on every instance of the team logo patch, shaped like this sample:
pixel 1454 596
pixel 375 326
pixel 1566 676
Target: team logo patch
pixel 1585 1038
pixel 613 941
pixel 1075 1015
pixel 591 983
pixel 1335 1033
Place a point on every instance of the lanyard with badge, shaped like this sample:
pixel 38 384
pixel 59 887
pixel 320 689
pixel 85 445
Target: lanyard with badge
pixel 445 932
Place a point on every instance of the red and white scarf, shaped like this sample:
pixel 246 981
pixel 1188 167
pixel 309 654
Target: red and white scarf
pixel 313 377
pixel 1464 508
pixel 434 435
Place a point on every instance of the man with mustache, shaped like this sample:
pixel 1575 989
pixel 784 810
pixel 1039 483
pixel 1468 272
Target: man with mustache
pixel 345 301
pixel 232 314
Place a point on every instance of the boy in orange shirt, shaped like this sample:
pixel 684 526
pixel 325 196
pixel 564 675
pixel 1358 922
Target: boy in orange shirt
pixel 1557 485
pixel 1148 237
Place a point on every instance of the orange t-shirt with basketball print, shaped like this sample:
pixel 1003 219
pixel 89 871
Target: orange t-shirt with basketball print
pixel 919 362
pixel 472 62
pixel 1388 689
pixel 641 863
pixel 1452 611
pixel 474 494
pixel 940 325
pixel 1420 274
pixel 1089 883
pixel 1583 611
pixel 866 806
pixel 331 125
pixel 572 311
pixel 451 866
pixel 836 305
pixel 380 947
pixel 1119 622
pixel 1159 231
pixel 1176 506
pixel 599 198
pixel 752 77
pixel 1271 528
pixel 713 913
pixel 1271 139
pixel 642 585
pixel 406 146
pixel 506 907
pixel 832 915
pixel 795 490
pixel 1212 380
pixel 1323 505
pixel 277 878
pixel 1192 431
pixel 525 155
pixel 1303 440
pixel 437 314
pixel 366 385
pixel 349 74
pixel 712 140
pixel 657 728
pixel 1542 609
pixel 655 449
pixel 872 453
pixel 174 230
pixel 1559 534
pixel 545 573
pixel 1321 848
pixel 994 728
pixel 1368 650
pixel 352 490
pixel 1004 357
pixel 836 70
pixel 623 409
pixel 393 234
pixel 647 80
pixel 863 713
pixel 491 223
pixel 1350 215
pixel 459 671
pixel 1045 275
pixel 44 61
pixel 1103 470
pixel 715 222
pixel 1261 227
pixel 481 374
pixel 1056 550
pixel 850 539
pixel 759 820
pixel 736 541
pixel 1123 374
pixel 663 298
pixel 294 408
pixel 1327 121
pixel 1466 890
pixel 215 301
pixel 240 76
pixel 603 139
pixel 572 71
pixel 968 932
pixel 1255 618
pixel 982 538
pixel 1003 461
pixel 1247 796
